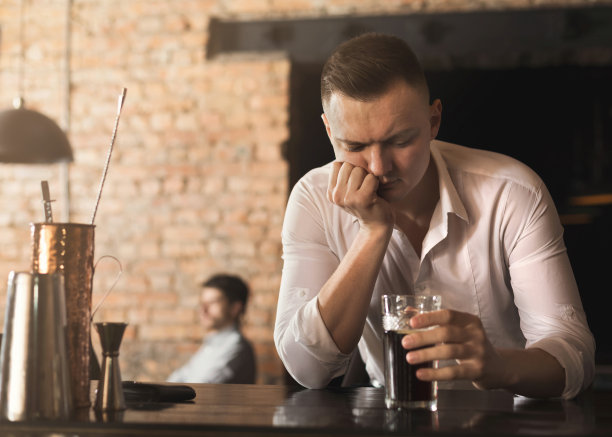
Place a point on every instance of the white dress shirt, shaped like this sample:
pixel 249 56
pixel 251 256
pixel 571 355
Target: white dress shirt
pixel 225 357
pixel 494 248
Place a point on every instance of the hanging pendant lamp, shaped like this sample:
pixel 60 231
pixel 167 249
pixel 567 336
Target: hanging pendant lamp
pixel 27 136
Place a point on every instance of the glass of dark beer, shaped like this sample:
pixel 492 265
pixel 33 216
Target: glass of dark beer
pixel 402 388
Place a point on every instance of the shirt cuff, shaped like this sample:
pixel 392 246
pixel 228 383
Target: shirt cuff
pixel 570 359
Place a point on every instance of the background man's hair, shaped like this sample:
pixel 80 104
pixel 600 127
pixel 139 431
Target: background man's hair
pixel 233 287
pixel 364 67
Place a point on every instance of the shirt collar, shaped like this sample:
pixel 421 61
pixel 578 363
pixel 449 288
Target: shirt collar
pixel 450 202
pixel 222 334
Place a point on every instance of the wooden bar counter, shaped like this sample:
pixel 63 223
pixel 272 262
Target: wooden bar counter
pixel 258 410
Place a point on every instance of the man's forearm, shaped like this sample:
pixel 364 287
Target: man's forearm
pixel 345 298
pixel 532 373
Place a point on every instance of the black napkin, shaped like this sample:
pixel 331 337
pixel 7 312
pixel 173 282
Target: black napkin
pixel 151 392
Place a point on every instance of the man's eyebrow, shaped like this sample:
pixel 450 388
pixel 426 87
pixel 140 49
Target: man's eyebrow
pixel 352 143
pixel 404 133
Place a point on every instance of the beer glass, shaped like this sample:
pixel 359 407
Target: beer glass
pixel 402 388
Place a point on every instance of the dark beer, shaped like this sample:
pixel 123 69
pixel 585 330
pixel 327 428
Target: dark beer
pixel 403 387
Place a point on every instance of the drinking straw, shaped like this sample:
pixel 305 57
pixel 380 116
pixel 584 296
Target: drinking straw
pixel 110 151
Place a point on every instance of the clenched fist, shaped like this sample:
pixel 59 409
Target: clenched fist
pixel 354 189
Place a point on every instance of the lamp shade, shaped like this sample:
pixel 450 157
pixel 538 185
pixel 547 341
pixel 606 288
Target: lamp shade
pixel 29 137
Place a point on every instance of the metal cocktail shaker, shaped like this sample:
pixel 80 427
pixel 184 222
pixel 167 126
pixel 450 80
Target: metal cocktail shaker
pixel 34 379
pixel 69 248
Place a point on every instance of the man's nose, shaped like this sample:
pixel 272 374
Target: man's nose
pixel 380 160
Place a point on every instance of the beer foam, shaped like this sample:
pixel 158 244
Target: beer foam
pixel 395 323
pixel 407 330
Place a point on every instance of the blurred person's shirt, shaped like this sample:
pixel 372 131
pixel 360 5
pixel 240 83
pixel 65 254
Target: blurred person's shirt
pixel 225 357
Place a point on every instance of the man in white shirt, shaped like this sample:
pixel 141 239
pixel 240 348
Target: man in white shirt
pixel 225 356
pixel 400 212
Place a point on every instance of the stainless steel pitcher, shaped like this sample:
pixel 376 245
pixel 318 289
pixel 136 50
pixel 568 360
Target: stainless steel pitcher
pixel 34 378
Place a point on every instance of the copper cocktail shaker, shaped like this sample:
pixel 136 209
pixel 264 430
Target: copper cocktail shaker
pixel 69 248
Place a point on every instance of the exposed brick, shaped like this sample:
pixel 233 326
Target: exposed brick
pixel 170 316
pixel 161 332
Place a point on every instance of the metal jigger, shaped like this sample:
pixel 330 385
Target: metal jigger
pixel 109 396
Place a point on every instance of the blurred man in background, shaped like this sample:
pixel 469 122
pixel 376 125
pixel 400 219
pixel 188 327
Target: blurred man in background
pixel 225 356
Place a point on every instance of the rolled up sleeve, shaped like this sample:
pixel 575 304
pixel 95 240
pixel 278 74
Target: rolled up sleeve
pixel 547 297
pixel 302 340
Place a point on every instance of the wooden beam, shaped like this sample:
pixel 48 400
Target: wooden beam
pixel 480 39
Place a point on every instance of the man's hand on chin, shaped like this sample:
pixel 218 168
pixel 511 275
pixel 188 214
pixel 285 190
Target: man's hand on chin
pixel 355 190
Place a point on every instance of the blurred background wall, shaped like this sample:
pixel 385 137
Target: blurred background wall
pixel 199 178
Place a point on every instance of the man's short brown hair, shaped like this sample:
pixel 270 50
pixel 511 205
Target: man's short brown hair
pixel 364 67
pixel 233 287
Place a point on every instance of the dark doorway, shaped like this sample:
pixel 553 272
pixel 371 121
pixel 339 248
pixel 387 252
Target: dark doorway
pixel 308 146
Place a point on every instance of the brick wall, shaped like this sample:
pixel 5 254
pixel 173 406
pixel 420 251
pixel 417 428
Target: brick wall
pixel 197 183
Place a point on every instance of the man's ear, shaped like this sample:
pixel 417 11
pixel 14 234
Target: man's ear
pixel 435 118
pixel 236 310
